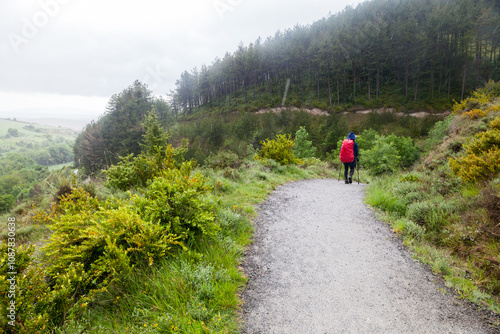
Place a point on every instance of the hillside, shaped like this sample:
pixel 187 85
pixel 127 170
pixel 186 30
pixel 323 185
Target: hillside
pixel 26 150
pixel 47 145
pixel 447 206
pixel 406 54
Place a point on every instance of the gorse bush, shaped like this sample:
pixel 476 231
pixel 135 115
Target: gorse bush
pixel 34 300
pixel 279 150
pixel 476 101
pixel 137 171
pixel 481 159
pixel 96 244
pixel 180 203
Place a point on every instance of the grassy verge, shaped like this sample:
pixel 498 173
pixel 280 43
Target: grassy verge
pixel 433 219
pixel 196 291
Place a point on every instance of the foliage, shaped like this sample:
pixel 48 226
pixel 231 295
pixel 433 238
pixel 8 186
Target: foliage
pixel 119 132
pixel 429 44
pixel 94 246
pixel 384 154
pixel 475 113
pixel 18 174
pixel 279 150
pixel 303 148
pixel 476 101
pixel 481 158
pixel 33 299
pixel 439 131
pixel 158 156
pixel 491 89
pixel 155 137
pixel 178 201
pixel 223 159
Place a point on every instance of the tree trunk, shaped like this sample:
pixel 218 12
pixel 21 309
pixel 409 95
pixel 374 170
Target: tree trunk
pixel 338 92
pixel 329 88
pixel 378 81
pixel 463 81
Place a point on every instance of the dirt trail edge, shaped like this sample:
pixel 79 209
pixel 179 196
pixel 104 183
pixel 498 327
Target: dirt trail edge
pixel 321 263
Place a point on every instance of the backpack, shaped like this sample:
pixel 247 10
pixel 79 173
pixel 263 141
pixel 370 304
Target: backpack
pixel 347 151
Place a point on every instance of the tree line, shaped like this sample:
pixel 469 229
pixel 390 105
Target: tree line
pixel 405 53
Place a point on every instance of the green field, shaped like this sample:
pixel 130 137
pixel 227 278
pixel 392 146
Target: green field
pixel 22 137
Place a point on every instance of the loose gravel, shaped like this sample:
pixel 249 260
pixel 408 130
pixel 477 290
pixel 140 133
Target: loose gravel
pixel 321 263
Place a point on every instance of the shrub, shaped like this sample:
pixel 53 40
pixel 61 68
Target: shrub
pixel 223 159
pixel 476 101
pixel 137 171
pixel 418 211
pixel 279 150
pixel 474 113
pixel 481 160
pixel 180 203
pixel 410 229
pixel 303 148
pixel 439 131
pixel 93 247
pixel 382 158
pixel 491 89
pixel 34 300
pixel 384 154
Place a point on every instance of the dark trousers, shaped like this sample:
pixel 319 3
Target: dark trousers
pixel 349 166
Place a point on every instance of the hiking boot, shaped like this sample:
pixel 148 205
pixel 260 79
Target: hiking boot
pixel 346 182
pixel 350 180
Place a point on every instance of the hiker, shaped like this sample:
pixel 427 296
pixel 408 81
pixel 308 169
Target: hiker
pixel 349 155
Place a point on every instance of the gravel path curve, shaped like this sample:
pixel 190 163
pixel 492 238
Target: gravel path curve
pixel 321 263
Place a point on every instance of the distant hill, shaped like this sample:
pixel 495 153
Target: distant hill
pixel 47 145
pixel 73 118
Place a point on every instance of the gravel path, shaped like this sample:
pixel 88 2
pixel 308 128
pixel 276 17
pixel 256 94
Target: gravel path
pixel 321 263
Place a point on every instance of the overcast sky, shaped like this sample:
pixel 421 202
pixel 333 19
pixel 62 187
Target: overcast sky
pixel 57 56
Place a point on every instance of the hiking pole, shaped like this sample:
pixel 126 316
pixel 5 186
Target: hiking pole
pixel 340 171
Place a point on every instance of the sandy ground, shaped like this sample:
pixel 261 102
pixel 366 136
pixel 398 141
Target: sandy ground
pixel 321 263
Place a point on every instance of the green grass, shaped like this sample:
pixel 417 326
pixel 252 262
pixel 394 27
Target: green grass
pixel 441 230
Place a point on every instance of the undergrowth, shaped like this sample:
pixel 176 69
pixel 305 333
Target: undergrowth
pixel 446 208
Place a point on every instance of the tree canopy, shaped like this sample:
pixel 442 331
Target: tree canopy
pixel 403 53
pixel 119 132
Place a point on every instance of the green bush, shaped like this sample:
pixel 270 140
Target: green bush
pixel 34 301
pixel 223 159
pixel 491 89
pixel 481 159
pixel 432 214
pixel 180 203
pixel 303 147
pixel 93 247
pixel 419 211
pixel 382 158
pixel 279 150
pixel 133 171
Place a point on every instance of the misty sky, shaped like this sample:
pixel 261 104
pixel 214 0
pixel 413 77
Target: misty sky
pixel 74 54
